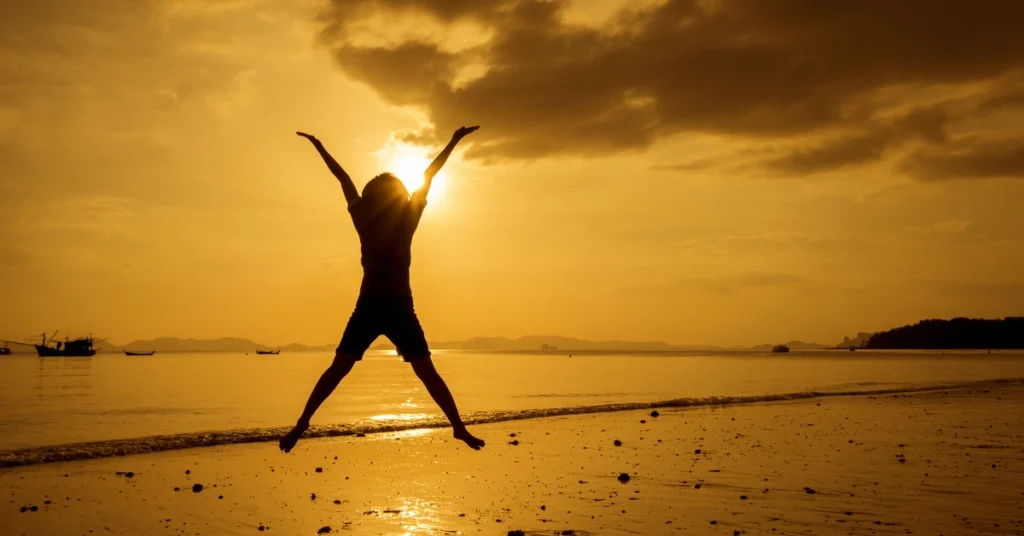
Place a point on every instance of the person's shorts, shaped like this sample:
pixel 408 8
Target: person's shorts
pixel 391 316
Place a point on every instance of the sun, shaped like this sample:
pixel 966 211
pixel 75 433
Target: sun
pixel 408 164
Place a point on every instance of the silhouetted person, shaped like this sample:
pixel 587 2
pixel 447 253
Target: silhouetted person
pixel 385 217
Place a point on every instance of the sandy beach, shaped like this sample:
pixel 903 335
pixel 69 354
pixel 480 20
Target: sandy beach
pixel 944 462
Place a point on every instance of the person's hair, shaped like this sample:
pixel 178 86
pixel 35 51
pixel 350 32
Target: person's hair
pixel 385 189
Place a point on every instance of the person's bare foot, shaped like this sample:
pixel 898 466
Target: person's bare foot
pixel 291 438
pixel 474 442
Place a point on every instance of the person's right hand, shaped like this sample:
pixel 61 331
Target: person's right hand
pixel 464 131
pixel 309 137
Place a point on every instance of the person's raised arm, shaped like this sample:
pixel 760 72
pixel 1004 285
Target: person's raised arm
pixel 347 186
pixel 438 163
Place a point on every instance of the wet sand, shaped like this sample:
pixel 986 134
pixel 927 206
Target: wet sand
pixel 946 462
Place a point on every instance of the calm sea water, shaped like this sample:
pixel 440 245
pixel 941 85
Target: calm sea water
pixel 55 401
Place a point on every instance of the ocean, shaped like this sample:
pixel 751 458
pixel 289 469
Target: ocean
pixel 110 404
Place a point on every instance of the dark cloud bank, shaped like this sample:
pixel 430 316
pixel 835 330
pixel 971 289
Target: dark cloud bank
pixel 862 77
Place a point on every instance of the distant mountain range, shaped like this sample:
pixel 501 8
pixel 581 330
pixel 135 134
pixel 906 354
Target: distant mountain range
pixel 521 344
pixel 504 344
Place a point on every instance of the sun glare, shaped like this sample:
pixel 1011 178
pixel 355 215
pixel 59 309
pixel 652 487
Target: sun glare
pixel 408 164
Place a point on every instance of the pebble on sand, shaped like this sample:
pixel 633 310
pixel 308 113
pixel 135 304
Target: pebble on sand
pixel 196 488
pixel 655 413
pixel 623 477
pixel 261 528
pixel 516 532
pixel 618 443
pixel 326 529
pixel 810 491
pixel 319 469
pixel 643 421
pixel 129 474
pixel 514 442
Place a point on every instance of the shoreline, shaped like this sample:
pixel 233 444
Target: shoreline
pixel 206 439
pixel 924 463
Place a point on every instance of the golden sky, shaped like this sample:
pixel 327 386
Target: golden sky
pixel 694 171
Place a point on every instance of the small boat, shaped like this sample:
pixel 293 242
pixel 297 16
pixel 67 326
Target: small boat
pixel 780 348
pixel 5 350
pixel 151 352
pixel 268 352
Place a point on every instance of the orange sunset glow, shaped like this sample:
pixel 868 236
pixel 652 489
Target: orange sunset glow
pixel 512 267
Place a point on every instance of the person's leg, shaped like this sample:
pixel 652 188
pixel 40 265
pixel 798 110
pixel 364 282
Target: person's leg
pixel 328 381
pixel 425 371
pixel 360 332
pixel 404 330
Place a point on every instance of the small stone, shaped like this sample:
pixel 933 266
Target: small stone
pixel 188 471
pixel 655 413
pixel 312 496
pixel 261 528
pixel 177 489
pixel 643 421
pixel 337 501
pixel 24 509
pixel 360 435
pixel 623 477
pixel 618 443
pixel 848 513
pixel 129 474
pixel 713 522
pixel 326 529
pixel 810 491
pixel 319 469
pixel 513 434
pixel 33 508
pixel 516 532
pixel 743 497
pixel 514 442
pixel 696 486
pixel 196 488
pixel 220 497
pixel 696 451
pixel 543 507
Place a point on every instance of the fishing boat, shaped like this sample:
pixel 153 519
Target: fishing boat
pixel 80 347
pixel 780 348
pixel 151 352
pixel 268 352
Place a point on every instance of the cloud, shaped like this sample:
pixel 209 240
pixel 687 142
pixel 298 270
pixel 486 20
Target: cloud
pixel 731 284
pixel 971 159
pixel 752 69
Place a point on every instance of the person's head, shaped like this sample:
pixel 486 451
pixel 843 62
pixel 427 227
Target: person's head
pixel 385 189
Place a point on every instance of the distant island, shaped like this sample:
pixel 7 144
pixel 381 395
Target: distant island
pixel 955 334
